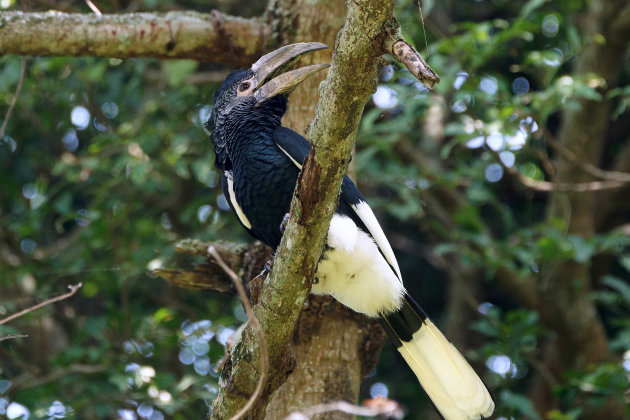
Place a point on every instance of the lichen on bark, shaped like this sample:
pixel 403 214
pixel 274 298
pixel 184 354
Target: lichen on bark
pixel 201 36
pixel 343 97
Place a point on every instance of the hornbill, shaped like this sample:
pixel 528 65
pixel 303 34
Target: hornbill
pixel 260 160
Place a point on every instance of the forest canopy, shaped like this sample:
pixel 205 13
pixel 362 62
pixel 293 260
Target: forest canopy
pixel 503 192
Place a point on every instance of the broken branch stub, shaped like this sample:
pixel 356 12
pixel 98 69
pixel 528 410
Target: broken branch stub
pixel 407 54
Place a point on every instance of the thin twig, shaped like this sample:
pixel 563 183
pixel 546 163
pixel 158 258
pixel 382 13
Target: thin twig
pixel 93 7
pixel 586 166
pixel 73 289
pixel 546 186
pixel 424 32
pixel 18 89
pixel 11 336
pixel 34 379
pixel 256 324
pixel 389 409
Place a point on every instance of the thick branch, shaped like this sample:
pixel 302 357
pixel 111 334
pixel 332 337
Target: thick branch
pixel 248 260
pixel 206 37
pixel 332 133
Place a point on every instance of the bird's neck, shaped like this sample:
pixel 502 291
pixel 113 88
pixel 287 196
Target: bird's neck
pixel 253 129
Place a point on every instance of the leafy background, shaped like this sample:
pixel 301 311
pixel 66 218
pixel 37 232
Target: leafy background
pixel 105 164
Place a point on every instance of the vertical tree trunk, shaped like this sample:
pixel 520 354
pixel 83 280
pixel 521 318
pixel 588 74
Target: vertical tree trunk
pixel 334 348
pixel 565 288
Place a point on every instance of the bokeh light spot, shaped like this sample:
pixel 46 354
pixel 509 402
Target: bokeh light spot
pixel 80 117
pixel 493 172
pixel 379 389
pixel 488 85
pixel 550 26
pixel 520 85
pixel 385 98
pixel 110 110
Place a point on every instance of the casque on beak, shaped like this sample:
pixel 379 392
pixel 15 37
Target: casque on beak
pixel 271 77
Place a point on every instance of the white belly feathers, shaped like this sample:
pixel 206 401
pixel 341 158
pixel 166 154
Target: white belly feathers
pixel 355 273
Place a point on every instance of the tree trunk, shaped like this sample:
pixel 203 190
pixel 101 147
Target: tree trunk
pixel 329 350
pixel 334 349
pixel 564 291
pixel 348 85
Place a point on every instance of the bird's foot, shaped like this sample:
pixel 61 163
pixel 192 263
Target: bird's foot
pixel 267 268
pixel 269 263
pixel 285 222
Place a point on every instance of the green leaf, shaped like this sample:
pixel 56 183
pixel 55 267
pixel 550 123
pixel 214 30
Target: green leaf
pixel 530 6
pixel 178 70
pixel 620 286
pixel 521 404
pixel 163 315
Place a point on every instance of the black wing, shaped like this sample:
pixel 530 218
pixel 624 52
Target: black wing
pixel 351 202
pixel 292 144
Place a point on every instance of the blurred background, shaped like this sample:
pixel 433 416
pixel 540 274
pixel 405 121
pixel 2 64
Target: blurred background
pixel 105 164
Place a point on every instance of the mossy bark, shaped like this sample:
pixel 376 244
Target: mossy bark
pixel 334 347
pixel 350 81
pixel 200 36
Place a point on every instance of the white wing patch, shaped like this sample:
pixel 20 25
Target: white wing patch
pixel 366 215
pixel 232 196
pixel 298 164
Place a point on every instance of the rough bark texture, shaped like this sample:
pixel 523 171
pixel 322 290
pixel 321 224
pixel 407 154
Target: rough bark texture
pixel 334 346
pixel 246 260
pixel 329 341
pixel 206 37
pixel 334 349
pixel 238 42
pixel 357 52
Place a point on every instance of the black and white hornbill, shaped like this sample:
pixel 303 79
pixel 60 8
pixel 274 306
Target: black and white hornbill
pixel 260 161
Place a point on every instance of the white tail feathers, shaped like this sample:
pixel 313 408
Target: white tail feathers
pixel 453 386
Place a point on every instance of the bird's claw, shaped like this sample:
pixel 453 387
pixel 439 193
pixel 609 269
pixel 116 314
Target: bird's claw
pixel 285 222
pixel 267 268
pixel 269 263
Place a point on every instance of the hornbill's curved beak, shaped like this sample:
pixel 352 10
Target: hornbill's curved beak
pixel 271 77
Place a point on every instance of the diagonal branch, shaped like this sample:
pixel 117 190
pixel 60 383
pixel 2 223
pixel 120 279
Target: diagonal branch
pixel 582 162
pixel 256 324
pixel 206 37
pixel 16 95
pixel 343 97
pixel 12 336
pixel 73 289
pixel 548 187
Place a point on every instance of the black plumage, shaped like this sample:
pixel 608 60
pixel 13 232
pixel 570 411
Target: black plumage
pixel 261 160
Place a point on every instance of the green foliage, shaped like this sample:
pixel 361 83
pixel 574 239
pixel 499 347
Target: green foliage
pixel 105 164
pixel 506 74
pixel 519 405
pixel 95 192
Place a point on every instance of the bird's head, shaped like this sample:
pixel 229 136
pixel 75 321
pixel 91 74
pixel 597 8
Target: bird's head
pixel 257 96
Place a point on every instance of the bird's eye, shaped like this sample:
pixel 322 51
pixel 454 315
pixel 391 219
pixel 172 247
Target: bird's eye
pixel 244 86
